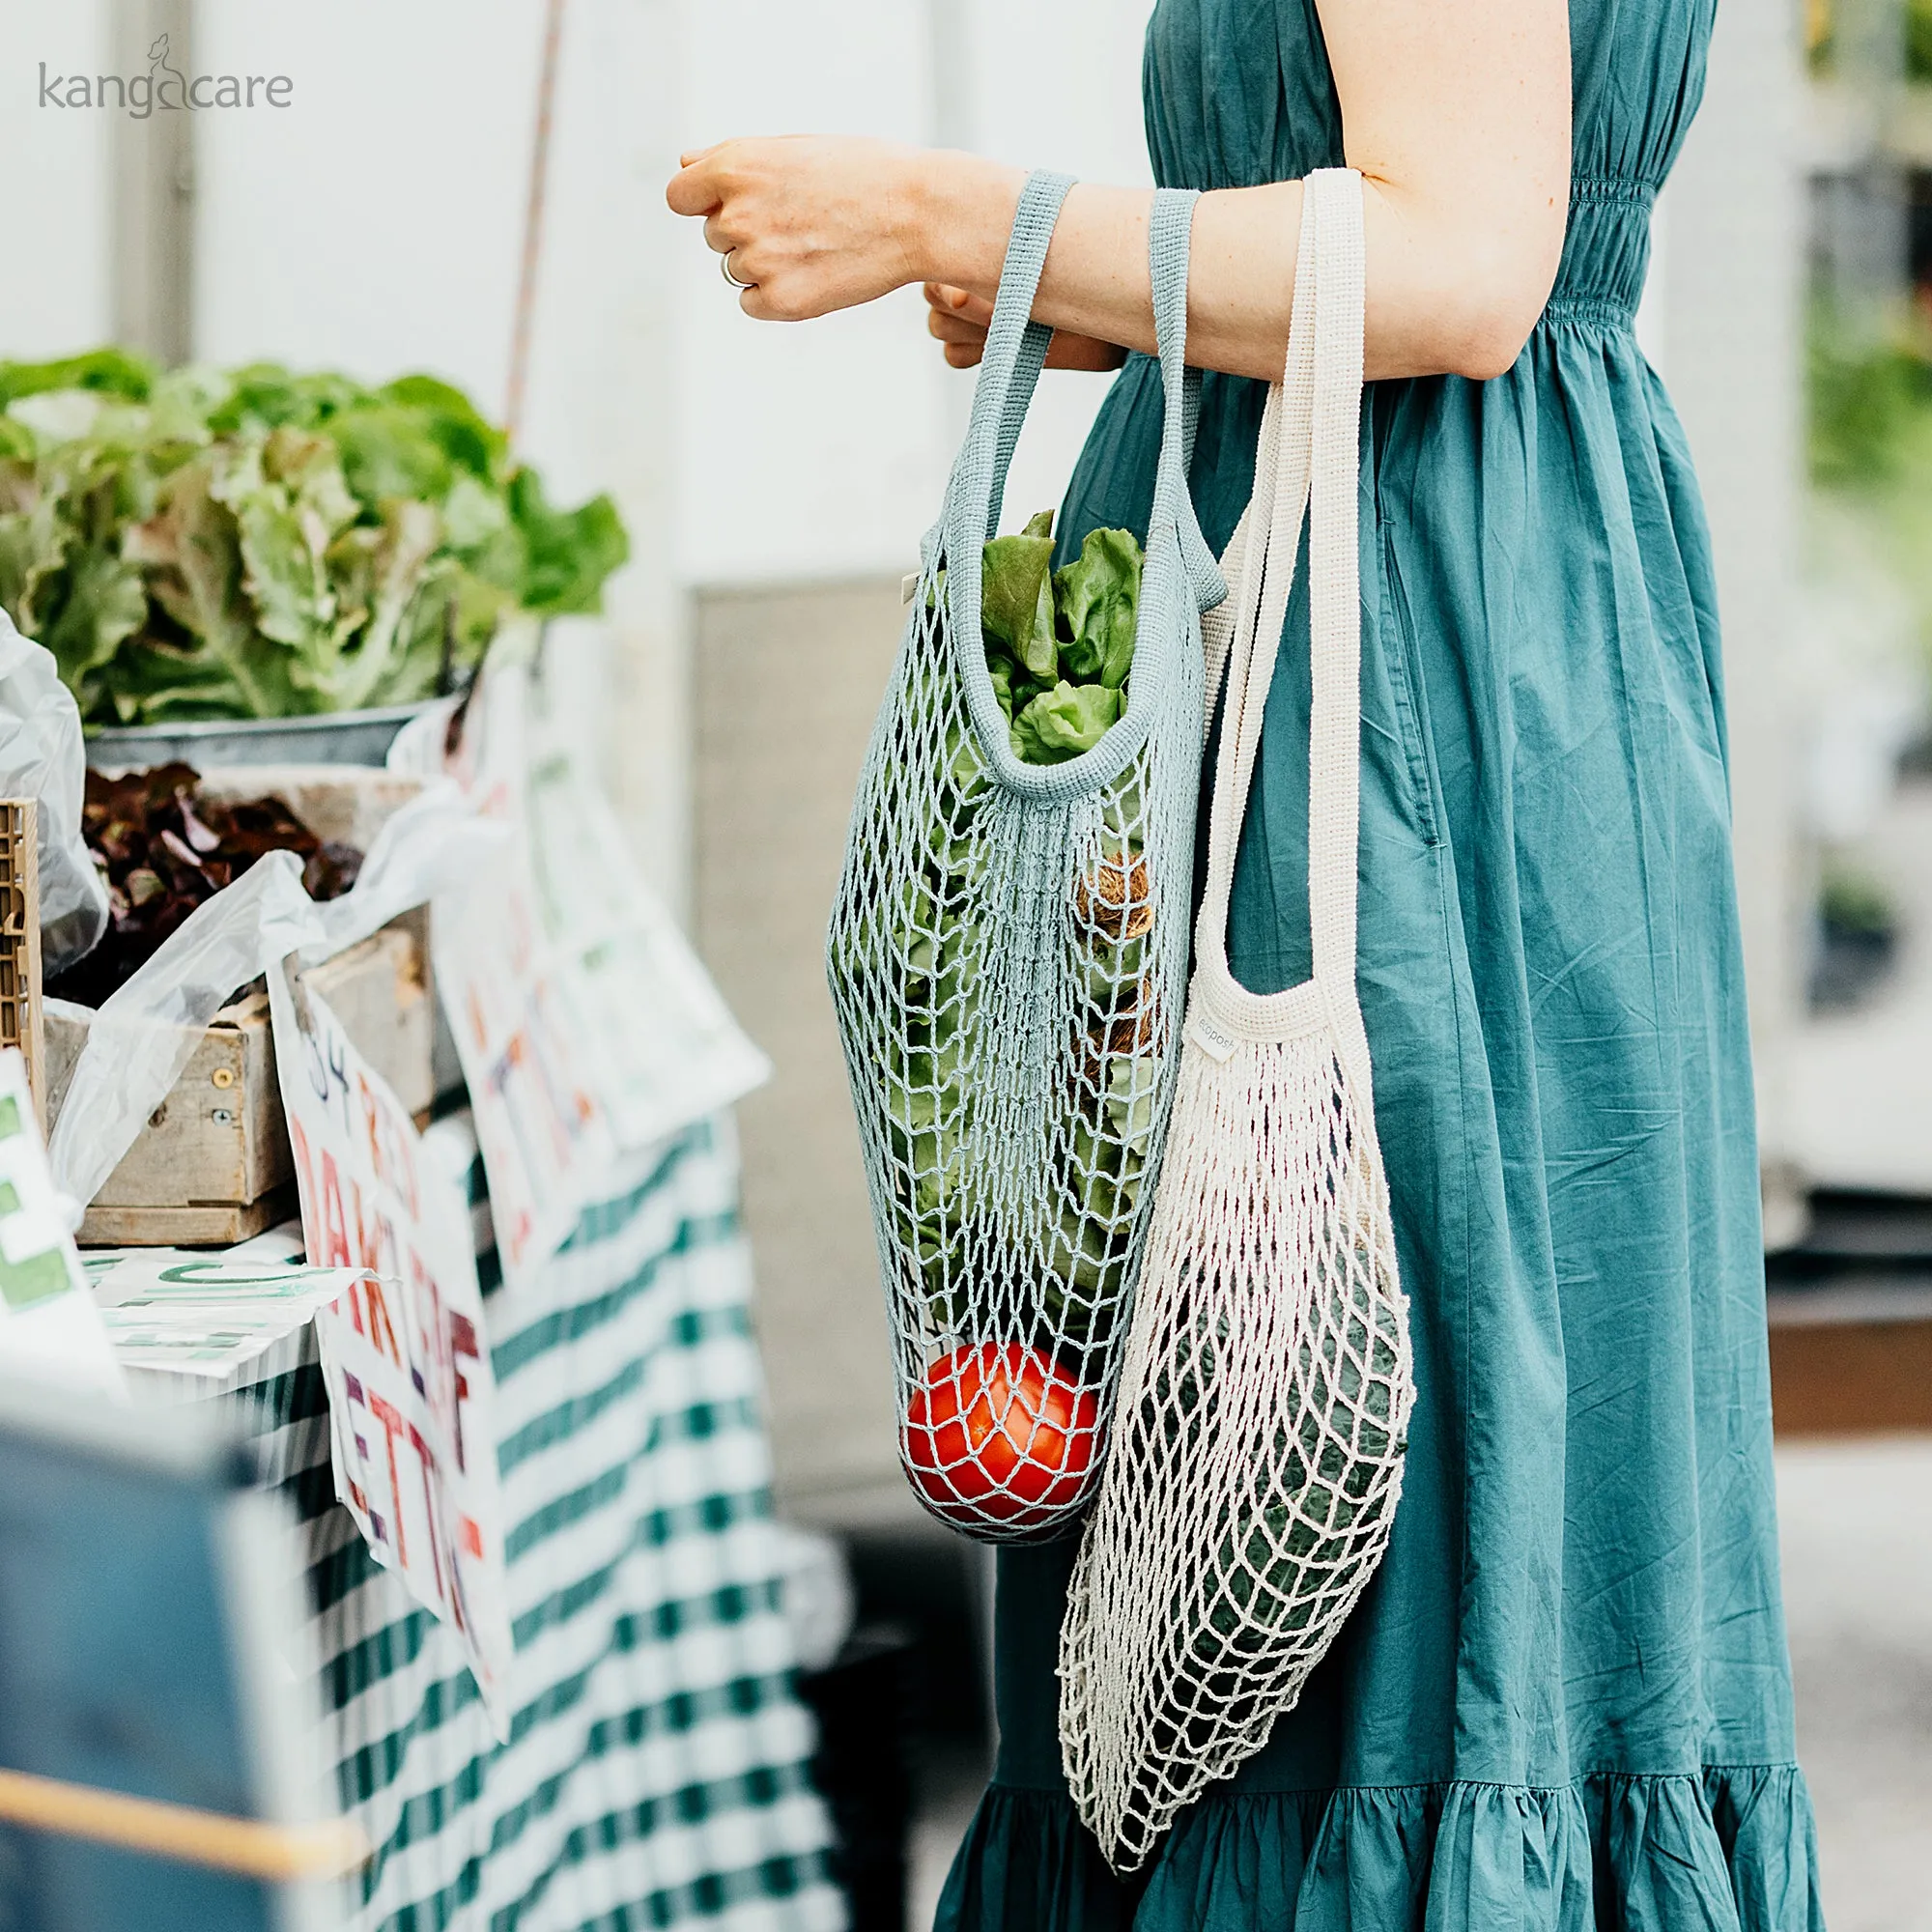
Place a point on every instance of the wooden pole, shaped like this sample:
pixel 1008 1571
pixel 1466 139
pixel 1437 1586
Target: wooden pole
pixel 534 221
pixel 253 1847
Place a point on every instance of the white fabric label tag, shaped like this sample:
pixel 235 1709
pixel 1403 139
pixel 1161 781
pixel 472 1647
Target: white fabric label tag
pixel 1219 1047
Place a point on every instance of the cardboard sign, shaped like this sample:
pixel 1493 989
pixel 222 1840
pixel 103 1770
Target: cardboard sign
pixel 587 1029
pixel 49 1327
pixel 546 1144
pixel 404 1350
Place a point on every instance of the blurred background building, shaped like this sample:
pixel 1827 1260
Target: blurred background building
pixel 777 480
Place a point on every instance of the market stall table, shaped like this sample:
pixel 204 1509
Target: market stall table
pixel 656 1768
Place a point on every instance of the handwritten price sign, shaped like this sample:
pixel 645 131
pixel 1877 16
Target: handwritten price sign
pixel 403 1351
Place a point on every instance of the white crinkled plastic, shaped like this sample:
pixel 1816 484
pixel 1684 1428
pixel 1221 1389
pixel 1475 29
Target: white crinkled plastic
pixel 42 758
pixel 144 1033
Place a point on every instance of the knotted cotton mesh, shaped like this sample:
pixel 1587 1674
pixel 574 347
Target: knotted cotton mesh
pixel 1257 1448
pixel 1007 957
pixel 1256 1459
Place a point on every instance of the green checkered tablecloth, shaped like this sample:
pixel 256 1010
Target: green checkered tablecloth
pixel 656 1770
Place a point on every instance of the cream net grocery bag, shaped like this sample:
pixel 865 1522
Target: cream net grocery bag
pixel 1258 1435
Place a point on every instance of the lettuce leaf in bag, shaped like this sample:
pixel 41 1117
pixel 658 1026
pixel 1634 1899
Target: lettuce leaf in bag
pixel 1016 599
pixel 1098 595
pixel 1063 723
pixel 1057 638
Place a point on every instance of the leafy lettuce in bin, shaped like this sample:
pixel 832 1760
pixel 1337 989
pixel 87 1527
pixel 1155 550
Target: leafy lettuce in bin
pixel 260 544
pixel 1060 650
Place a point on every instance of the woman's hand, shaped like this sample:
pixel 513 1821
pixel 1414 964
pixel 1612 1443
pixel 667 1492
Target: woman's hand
pixel 961 318
pixel 820 222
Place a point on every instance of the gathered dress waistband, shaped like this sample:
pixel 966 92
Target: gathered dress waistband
pixel 1605 252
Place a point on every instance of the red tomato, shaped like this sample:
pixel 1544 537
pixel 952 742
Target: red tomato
pixel 999 1433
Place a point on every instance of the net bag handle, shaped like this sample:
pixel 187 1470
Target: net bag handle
pixel 1308 462
pixel 1170 228
pixel 1009 368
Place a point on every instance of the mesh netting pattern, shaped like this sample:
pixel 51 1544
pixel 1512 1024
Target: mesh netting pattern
pixel 1256 1461
pixel 1257 1446
pixel 1007 956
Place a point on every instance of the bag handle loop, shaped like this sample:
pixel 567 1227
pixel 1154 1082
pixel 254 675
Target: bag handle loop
pixel 1009 369
pixel 1307 463
pixel 1010 366
pixel 1170 228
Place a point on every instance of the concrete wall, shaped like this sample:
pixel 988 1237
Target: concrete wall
pixel 787 683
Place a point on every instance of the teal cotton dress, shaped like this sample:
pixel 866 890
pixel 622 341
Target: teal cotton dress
pixel 1563 1705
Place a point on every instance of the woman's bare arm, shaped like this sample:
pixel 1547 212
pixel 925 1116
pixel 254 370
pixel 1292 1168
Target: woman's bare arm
pixel 1457 112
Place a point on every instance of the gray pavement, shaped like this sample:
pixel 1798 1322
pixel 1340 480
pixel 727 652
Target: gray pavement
pixel 1857 1528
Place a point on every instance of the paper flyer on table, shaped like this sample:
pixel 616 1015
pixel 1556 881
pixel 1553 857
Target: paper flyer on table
pixel 50 1329
pixel 404 1354
pixel 174 1311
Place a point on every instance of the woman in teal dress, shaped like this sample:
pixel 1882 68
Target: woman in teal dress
pixel 1563 1705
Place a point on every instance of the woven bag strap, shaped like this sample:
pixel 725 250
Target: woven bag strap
pixel 1169 229
pixel 1307 461
pixel 1009 368
pixel 1334 582
pixel 1170 226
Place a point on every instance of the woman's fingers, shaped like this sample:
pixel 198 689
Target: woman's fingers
pixel 692 190
pixel 958 319
pixel 943 328
pixel 818 222
pixel 960 302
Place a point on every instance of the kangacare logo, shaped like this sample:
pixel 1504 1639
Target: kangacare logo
pixel 164 86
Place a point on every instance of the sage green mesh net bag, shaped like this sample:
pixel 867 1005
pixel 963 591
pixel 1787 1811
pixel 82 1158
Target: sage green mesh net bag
pixel 1008 949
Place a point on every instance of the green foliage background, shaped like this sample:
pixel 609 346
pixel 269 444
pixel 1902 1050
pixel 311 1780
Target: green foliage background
pixel 1869 400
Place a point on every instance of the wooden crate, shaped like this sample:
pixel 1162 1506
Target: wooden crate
pixel 21 942
pixel 347 803
pixel 212 1165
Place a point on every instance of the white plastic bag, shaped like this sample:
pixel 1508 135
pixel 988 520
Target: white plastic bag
pixel 144 1034
pixel 146 1031
pixel 42 758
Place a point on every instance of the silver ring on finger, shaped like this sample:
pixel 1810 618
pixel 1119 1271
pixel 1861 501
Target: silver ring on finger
pixel 725 268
